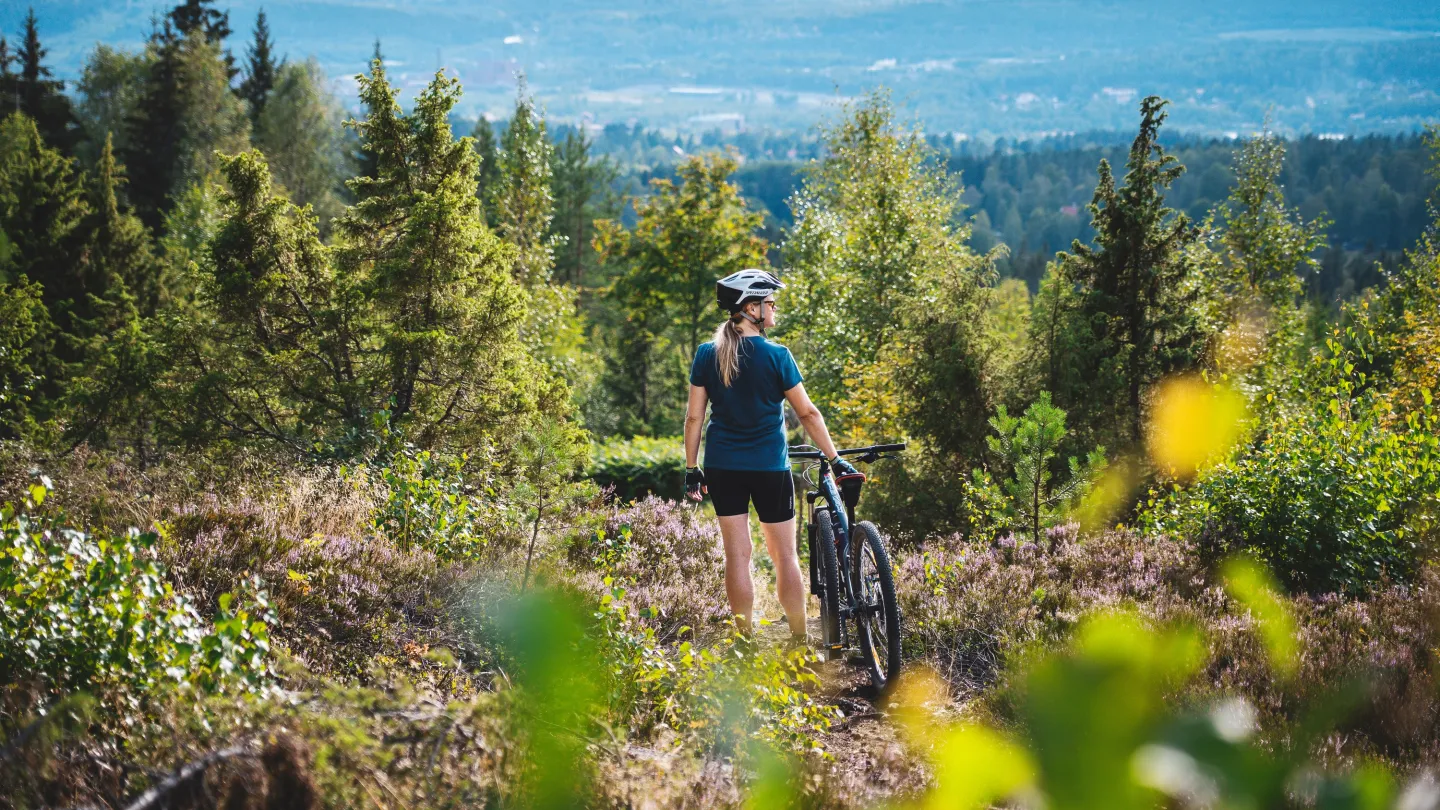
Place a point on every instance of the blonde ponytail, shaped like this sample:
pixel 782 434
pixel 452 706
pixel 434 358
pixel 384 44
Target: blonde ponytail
pixel 728 340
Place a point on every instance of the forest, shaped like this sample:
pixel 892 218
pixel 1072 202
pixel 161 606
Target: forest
pixel 340 459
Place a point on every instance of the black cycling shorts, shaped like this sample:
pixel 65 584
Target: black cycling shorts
pixel 772 491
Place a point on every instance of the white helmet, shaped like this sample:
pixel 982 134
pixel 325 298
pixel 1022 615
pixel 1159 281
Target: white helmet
pixel 737 289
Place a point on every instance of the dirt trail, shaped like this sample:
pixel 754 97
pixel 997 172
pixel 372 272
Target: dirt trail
pixel 870 761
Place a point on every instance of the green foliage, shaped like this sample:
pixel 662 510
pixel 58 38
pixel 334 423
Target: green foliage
pixel 876 249
pixel 1120 315
pixel 187 113
pixel 687 235
pixel 487 182
pixel 1097 731
pixel 298 127
pixel 97 614
pixel 38 95
pixel 1026 446
pixel 1253 274
pixel 108 95
pixel 725 694
pixel 24 328
pixel 42 213
pixel 550 455
pixel 407 328
pixel 429 505
pixel 260 70
pixel 1339 491
pixel 581 183
pixel 524 202
pixel 640 466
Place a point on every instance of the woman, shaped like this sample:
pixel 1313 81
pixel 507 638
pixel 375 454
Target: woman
pixel 746 378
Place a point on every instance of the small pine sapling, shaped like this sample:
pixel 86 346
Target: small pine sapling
pixel 1026 445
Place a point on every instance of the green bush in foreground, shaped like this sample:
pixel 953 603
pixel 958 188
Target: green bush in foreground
pixel 79 613
pixel 1337 495
pixel 640 466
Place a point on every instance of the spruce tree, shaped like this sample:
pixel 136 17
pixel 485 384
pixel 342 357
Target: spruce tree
pixel 525 204
pixel 488 181
pixel 24 347
pixel 1133 319
pixel 42 209
pixel 186 114
pixel 441 283
pixel 121 259
pixel 40 96
pixel 9 82
pixel 582 195
pixel 260 70
pixel 196 17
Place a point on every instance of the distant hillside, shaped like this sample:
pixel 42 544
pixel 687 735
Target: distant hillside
pixel 983 67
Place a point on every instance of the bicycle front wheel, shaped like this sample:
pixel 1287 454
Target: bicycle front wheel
pixel 829 592
pixel 878 617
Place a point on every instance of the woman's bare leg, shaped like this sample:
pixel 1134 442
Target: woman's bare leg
pixel 789 585
pixel 739 590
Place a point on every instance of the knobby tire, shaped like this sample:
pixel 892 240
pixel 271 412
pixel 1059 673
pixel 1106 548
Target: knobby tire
pixel 879 633
pixel 829 594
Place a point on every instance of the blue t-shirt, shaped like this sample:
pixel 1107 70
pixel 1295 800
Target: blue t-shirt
pixel 747 420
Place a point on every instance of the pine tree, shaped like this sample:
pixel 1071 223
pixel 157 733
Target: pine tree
pixel 260 70
pixel 40 96
pixel 525 204
pixel 488 181
pixel 1133 319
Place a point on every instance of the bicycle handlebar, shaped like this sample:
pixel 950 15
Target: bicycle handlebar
pixel 874 449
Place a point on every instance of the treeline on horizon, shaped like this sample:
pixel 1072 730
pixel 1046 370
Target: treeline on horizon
pixel 1030 194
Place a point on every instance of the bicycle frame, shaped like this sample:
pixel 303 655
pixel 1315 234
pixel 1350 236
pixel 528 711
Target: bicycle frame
pixel 842 519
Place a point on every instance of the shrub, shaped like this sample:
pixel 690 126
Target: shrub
pixel 969 606
pixel 95 614
pixel 428 505
pixel 669 557
pixel 1339 494
pixel 341 598
pixel 640 467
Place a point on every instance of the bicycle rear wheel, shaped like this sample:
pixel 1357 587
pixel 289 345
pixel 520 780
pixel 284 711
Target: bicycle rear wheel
pixel 879 614
pixel 823 552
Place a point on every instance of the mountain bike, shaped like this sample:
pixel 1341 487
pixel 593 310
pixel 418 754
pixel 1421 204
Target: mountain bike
pixel 853 581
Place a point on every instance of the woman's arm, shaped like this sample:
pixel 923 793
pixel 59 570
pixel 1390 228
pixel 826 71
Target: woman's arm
pixel 694 421
pixel 811 418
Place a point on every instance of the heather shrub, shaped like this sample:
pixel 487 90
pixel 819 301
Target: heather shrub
pixel 666 554
pixel 341 598
pixel 639 467
pixel 969 606
pixel 98 614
